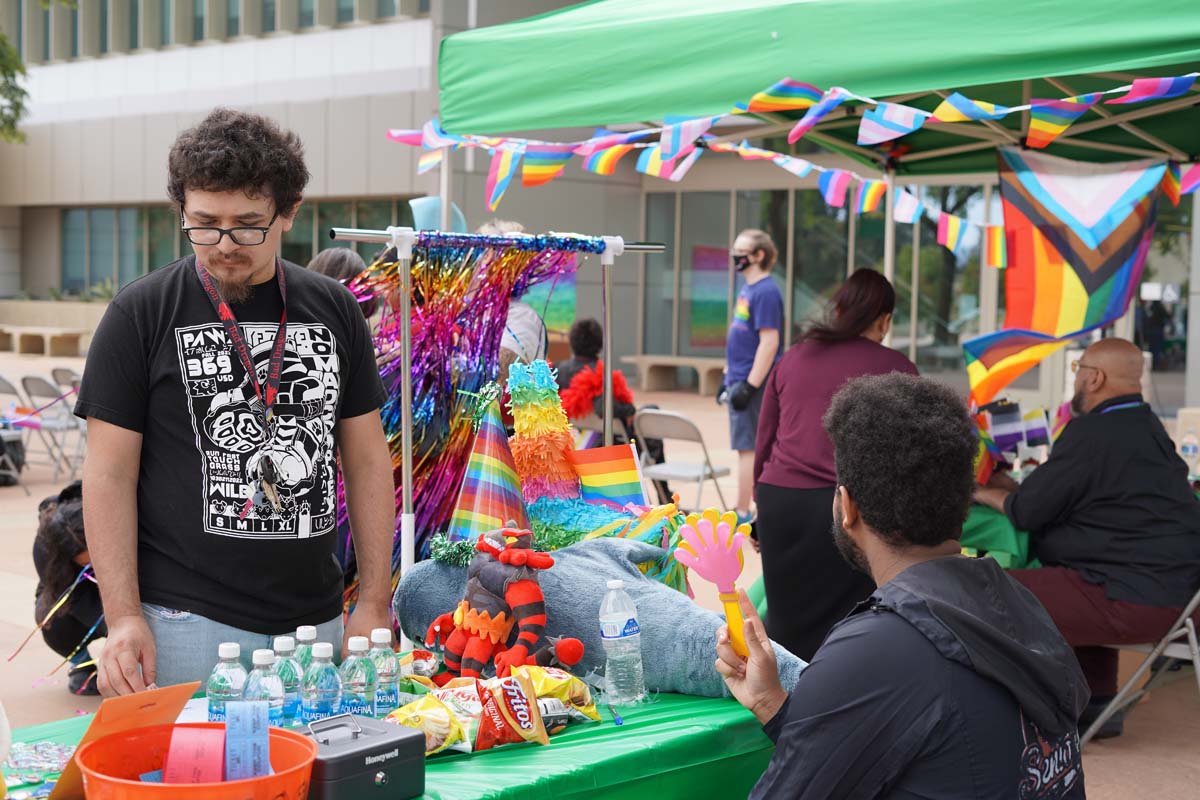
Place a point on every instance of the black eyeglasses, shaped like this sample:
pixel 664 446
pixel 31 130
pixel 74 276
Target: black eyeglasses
pixel 245 236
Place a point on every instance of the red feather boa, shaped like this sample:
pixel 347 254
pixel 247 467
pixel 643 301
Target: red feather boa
pixel 579 398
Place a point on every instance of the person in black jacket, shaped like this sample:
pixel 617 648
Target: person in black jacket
pixel 950 680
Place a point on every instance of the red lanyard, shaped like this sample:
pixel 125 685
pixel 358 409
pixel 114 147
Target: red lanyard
pixel 266 395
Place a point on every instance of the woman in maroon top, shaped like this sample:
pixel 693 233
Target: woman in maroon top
pixel 810 587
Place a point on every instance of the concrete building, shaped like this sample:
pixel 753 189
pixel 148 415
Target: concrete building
pixel 112 82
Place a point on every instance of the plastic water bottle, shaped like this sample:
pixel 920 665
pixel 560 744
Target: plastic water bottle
pixel 321 690
pixel 387 671
pixel 306 637
pixel 227 680
pixel 263 683
pixel 358 679
pixel 290 674
pixel 1189 450
pixel 622 638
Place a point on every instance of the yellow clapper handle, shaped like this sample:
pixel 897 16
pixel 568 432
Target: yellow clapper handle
pixel 715 564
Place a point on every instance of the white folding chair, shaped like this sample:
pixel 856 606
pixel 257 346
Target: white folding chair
pixel 668 425
pixel 1180 644
pixel 57 424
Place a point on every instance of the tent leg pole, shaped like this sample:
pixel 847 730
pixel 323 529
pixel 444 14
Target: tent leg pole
pixel 1192 379
pixel 606 278
pixel 403 238
pixel 444 189
pixel 889 235
pixel 914 291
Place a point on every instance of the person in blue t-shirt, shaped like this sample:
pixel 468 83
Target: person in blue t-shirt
pixel 751 349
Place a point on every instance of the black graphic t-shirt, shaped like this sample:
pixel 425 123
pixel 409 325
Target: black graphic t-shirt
pixel 161 364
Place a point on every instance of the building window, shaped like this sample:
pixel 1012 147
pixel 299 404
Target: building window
pixel 162 232
pixel 385 8
pixel 233 18
pixel 103 27
pixel 198 20
pixel 332 215
pixel 135 37
pixel 75 32
pixel 164 21
pixel 74 250
pixel 703 273
pixel 297 245
pixel 21 30
pixel 102 245
pixel 45 34
pixel 659 292
pixel 131 250
pixel 345 10
pixel 373 215
pixel 308 13
pixel 268 16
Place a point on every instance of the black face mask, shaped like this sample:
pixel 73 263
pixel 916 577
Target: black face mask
pixel 741 262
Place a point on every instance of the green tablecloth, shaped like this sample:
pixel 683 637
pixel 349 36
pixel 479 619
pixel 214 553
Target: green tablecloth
pixel 676 747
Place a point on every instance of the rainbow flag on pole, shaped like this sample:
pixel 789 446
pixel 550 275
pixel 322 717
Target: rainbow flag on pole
pixel 950 231
pixel 833 184
pixel 545 162
pixel 869 196
pixel 500 173
pixel 1049 118
pixel 994 250
pixel 610 475
pixel 958 108
pixel 786 95
pixel 1144 89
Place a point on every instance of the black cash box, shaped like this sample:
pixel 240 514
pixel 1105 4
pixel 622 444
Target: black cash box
pixel 359 758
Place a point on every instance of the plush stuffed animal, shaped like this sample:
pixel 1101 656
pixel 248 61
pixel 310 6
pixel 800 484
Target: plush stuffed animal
pixel 502 592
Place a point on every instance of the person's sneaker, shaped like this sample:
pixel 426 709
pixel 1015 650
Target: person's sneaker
pixel 1113 727
pixel 82 681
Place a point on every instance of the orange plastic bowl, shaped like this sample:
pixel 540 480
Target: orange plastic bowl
pixel 112 765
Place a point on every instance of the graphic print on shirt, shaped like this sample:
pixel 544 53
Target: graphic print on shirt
pixel 1050 768
pixel 227 420
pixel 741 311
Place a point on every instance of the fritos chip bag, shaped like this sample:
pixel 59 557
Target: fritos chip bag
pixel 510 714
pixel 435 719
pixel 562 685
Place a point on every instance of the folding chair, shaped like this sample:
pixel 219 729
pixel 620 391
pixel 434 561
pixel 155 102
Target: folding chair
pixel 57 424
pixel 668 425
pixel 1180 644
pixel 65 377
pixel 8 465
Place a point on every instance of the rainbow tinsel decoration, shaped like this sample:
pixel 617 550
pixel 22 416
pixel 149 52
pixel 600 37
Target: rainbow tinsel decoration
pixel 543 442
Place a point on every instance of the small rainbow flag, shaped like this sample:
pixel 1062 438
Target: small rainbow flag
pixel 985 465
pixel 786 95
pixel 950 231
pixel 500 173
pixel 995 249
pixel 1061 417
pixel 869 195
pixel 428 160
pixel 604 162
pixel 797 166
pixel 679 134
pixel 406 136
pixel 888 121
pixel 958 108
pixel 1190 179
pixel 1144 89
pixel 545 162
pixel 831 100
pixel 833 184
pixel 1172 182
pixel 1049 118
pixel 907 208
pixel 610 475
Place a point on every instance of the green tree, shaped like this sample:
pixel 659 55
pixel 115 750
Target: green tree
pixel 13 96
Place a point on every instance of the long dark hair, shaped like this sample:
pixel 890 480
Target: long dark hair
pixel 863 298
pixel 60 533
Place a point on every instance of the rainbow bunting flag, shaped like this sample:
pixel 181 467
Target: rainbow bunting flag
pixel 490 497
pixel 1144 89
pixel 1171 182
pixel 951 230
pixel 604 162
pixel 907 208
pixel 651 162
pixel 888 121
pixel 833 184
pixel 1076 237
pixel 751 153
pixel 406 136
pixel 681 169
pixel 432 136
pixel 994 250
pixel 797 166
pixel 500 173
pixel 958 108
pixel 610 475
pixel 1049 118
pixel 787 95
pixel 1061 417
pixel 679 134
pixel 1189 180
pixel 603 139
pixel 869 195
pixel 545 162
pixel 428 160
pixel 829 101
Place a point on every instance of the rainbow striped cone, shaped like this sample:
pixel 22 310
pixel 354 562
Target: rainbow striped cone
pixel 490 497
pixel 542 443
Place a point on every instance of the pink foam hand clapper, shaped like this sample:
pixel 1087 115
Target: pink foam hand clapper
pixel 712 549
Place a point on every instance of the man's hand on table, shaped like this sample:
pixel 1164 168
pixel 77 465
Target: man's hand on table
pixel 366 617
pixel 129 645
pixel 753 681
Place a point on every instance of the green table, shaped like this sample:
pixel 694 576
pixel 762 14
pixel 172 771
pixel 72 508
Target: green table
pixel 675 747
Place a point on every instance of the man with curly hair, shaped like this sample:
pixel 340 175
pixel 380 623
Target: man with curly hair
pixel 950 680
pixel 219 392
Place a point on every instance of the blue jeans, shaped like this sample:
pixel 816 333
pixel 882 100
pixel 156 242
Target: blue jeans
pixel 186 643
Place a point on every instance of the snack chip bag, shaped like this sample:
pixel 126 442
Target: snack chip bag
pixel 562 685
pixel 510 714
pixel 435 719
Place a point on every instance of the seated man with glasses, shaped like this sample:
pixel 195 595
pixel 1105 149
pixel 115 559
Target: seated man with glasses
pixel 220 391
pixel 1112 518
